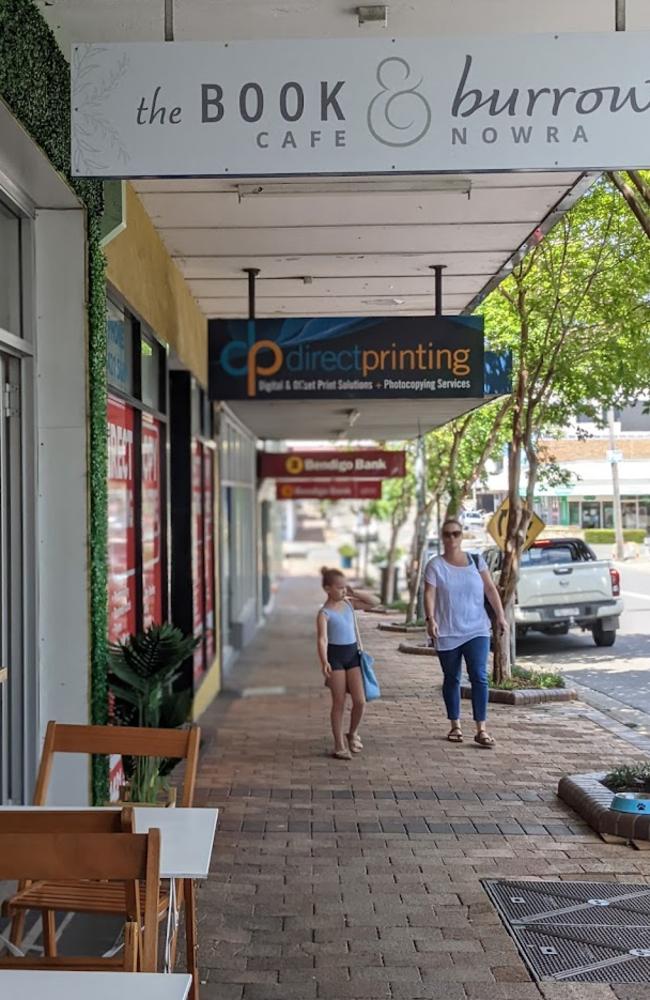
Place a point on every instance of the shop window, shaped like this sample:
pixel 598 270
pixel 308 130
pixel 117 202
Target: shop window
pixel 591 517
pixel 628 510
pixel 121 522
pixel 644 512
pixel 137 427
pixel 608 514
pixel 203 555
pixel 151 367
pixel 152 505
pixel 119 361
pixel 10 271
pixel 574 512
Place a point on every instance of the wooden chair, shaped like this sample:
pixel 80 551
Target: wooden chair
pixel 182 744
pixel 130 741
pixel 39 850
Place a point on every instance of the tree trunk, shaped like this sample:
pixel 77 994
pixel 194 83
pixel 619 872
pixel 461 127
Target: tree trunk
pixel 387 594
pixel 419 555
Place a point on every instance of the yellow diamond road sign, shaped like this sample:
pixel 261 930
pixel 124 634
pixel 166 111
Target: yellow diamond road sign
pixel 498 526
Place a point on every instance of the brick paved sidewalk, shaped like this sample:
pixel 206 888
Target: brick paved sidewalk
pixel 339 880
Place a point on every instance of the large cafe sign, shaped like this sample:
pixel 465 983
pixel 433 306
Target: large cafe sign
pixel 336 106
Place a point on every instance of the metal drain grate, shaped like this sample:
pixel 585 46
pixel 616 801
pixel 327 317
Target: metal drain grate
pixel 589 932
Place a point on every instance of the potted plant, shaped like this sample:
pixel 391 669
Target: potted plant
pixel 143 670
pixel 347 553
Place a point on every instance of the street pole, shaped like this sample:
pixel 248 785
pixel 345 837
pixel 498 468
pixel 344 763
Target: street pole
pixel 616 486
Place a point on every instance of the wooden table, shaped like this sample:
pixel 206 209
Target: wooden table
pixel 28 985
pixel 186 841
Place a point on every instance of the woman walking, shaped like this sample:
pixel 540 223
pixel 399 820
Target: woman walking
pixel 456 586
pixel 338 652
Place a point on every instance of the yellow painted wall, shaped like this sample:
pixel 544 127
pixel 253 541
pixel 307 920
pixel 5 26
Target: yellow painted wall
pixel 142 271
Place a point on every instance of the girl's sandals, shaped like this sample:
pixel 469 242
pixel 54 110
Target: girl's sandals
pixel 455 735
pixel 354 742
pixel 484 740
pixel 342 755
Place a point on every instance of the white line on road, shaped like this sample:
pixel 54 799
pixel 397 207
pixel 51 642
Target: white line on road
pixel 632 593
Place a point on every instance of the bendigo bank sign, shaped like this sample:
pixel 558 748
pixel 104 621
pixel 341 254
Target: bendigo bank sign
pixel 394 358
pixel 330 465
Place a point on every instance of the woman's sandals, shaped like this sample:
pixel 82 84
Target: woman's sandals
pixel 342 755
pixel 455 735
pixel 354 742
pixel 484 740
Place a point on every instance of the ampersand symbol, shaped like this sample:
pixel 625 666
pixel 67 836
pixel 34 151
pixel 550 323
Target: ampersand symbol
pixel 398 115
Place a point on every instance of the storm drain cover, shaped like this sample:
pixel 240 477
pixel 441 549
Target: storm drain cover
pixel 588 932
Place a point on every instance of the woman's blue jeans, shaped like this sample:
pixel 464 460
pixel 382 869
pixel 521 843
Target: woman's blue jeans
pixel 475 652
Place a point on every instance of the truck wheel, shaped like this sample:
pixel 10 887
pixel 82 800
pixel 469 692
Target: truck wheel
pixel 603 637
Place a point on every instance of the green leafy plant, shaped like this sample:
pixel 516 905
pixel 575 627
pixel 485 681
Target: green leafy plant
pixel 347 551
pixel 538 679
pixel 629 778
pixel 143 671
pixel 606 536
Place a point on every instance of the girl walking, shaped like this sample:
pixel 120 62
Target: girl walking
pixel 338 652
pixel 456 586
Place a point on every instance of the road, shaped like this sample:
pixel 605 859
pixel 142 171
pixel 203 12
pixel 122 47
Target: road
pixel 621 672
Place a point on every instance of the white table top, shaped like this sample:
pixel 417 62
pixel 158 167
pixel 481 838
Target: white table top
pixel 28 985
pixel 186 836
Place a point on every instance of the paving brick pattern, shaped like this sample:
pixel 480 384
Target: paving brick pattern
pixel 360 880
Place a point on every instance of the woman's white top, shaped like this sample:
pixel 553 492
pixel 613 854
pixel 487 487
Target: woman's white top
pixel 460 609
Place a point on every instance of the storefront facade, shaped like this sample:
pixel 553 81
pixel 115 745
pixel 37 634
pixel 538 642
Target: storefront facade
pixel 44 559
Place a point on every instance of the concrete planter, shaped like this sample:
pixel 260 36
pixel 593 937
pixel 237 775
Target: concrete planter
pixel 401 628
pixel 524 696
pixel 587 795
pixel 416 649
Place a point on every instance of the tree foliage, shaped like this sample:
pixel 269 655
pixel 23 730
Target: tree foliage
pixel 576 314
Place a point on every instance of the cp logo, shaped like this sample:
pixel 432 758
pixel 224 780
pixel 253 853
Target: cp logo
pixel 253 365
pixel 294 465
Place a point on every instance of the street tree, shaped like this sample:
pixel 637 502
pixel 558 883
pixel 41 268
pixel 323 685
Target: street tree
pixel 455 456
pixel 576 314
pixel 394 508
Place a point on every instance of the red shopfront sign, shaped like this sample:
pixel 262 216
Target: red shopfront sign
pixel 208 558
pixel 370 464
pixel 198 557
pixel 152 582
pixel 333 490
pixel 121 528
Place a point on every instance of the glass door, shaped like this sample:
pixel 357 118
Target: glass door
pixel 13 729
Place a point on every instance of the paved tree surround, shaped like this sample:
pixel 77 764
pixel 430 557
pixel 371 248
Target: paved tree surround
pixel 362 880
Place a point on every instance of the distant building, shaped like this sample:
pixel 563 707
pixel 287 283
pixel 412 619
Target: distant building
pixel 584 452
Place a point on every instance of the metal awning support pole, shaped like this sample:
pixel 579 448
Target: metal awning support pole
pixel 252 273
pixel 437 296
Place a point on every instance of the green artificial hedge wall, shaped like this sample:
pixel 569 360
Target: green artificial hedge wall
pixel 35 84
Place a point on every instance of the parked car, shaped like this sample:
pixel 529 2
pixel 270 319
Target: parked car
pixel 563 585
pixel 473 518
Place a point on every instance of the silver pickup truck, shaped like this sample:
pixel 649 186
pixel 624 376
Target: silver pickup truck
pixel 563 585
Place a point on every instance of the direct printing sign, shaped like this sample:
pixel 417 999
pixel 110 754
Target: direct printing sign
pixel 400 357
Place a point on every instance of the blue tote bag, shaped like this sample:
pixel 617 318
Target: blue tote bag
pixel 370 682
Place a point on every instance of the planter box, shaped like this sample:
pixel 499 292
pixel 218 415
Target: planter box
pixel 587 795
pixel 417 649
pixel 524 696
pixel 398 627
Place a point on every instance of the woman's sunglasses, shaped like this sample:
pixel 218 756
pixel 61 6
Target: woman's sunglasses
pixel 451 534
